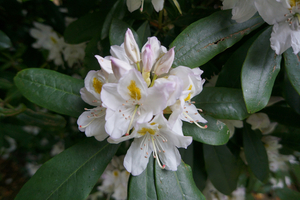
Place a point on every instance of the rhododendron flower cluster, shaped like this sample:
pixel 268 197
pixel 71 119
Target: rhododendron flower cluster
pixel 132 92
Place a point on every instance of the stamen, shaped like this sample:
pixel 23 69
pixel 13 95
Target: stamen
pixel 155 154
pixel 187 116
pixel 80 126
pixel 131 121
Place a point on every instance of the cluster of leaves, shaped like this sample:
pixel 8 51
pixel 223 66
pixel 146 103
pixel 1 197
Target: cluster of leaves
pixel 249 73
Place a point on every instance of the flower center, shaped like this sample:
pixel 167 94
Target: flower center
pixel 293 17
pixel 134 91
pixel 97 85
pixel 144 130
pixel 189 95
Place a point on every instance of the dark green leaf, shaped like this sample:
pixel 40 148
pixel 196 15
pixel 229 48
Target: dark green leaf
pixel 5 112
pixel 222 168
pixel 16 132
pixel 117 11
pixel 222 103
pixel 259 71
pixel 117 32
pixel 209 36
pixel 4 41
pixel 216 132
pixel 42 119
pixel 291 95
pixel 92 49
pixel 255 153
pixel 52 90
pixel 292 66
pixel 5 84
pixel 84 28
pixel 144 32
pixel 143 186
pixel 179 184
pixel 287 194
pixel 230 75
pixel 290 138
pixel 70 175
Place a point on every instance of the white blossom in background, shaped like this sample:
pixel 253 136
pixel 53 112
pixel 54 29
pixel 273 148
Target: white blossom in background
pixel 130 93
pixel 4 152
pixel 284 15
pixel 31 129
pixel 136 4
pixel 115 179
pixel 262 122
pixel 57 148
pixel 74 53
pixel 242 10
pixel 32 168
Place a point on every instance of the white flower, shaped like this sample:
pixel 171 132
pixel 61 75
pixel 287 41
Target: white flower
pixel 155 136
pixel 32 168
pixel 135 4
pixel 74 53
pixel 4 152
pixel 232 124
pixel 57 148
pixel 285 16
pixel 262 122
pixel 115 179
pixel 242 10
pixel 31 129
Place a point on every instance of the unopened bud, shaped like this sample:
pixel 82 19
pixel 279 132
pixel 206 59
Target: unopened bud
pixel 147 57
pixel 131 48
pixel 164 63
pixel 119 67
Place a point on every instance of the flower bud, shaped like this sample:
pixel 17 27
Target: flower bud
pixel 131 48
pixel 105 65
pixel 147 57
pixel 163 65
pixel 119 67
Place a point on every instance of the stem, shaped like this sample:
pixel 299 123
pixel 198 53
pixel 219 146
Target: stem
pixel 138 66
pixel 160 19
pixel 154 78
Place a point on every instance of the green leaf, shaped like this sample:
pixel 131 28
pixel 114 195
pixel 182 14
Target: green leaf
pixel 287 194
pixel 179 184
pixel 143 186
pixel 216 132
pixel 222 168
pixel 290 138
pixel 42 119
pixel 259 71
pixel 230 75
pixel 51 90
pixel 255 153
pixel 144 32
pixel 4 41
pixel 291 95
pixel 117 11
pixel 91 50
pixel 84 28
pixel 5 112
pixel 117 32
pixel 292 66
pixel 222 103
pixel 72 174
pixel 209 36
pixel 5 84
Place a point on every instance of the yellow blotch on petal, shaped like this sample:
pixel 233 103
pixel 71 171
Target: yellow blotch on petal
pixel 97 85
pixel 144 130
pixel 134 91
pixel 189 95
pixel 53 40
pixel 293 3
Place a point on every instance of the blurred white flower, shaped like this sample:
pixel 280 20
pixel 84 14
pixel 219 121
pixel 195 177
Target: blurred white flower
pixel 32 168
pixel 284 15
pixel 31 129
pixel 4 152
pixel 232 124
pixel 57 148
pixel 136 4
pixel 74 53
pixel 262 122
pixel 242 10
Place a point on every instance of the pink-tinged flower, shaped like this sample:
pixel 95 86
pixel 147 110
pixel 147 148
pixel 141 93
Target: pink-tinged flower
pixel 155 136
pixel 129 101
pixel 136 4
pixel 131 48
pixel 163 65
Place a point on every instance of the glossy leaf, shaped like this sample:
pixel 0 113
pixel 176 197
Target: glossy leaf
pixel 117 32
pixel 222 168
pixel 143 186
pixel 179 184
pixel 216 132
pixel 84 28
pixel 144 32
pixel 70 175
pixel 259 71
pixel 91 50
pixel 42 119
pixel 255 153
pixel 209 36
pixel 117 11
pixel 292 66
pixel 51 90
pixel 291 95
pixel 287 194
pixel 4 41
pixel 222 103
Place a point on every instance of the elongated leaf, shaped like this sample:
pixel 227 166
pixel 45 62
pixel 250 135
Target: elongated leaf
pixel 117 32
pixel 71 174
pixel 4 41
pixel 5 84
pixel 209 36
pixel 291 95
pixel 283 115
pixel 230 76
pixel 287 194
pixel 42 119
pixel 179 184
pixel 222 168
pixel 216 132
pixel 259 72
pixel 91 50
pixel 255 153
pixel 290 138
pixel 144 32
pixel 222 103
pixel 292 66
pixel 51 90
pixel 117 11
pixel 84 28
pixel 5 112
pixel 143 186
